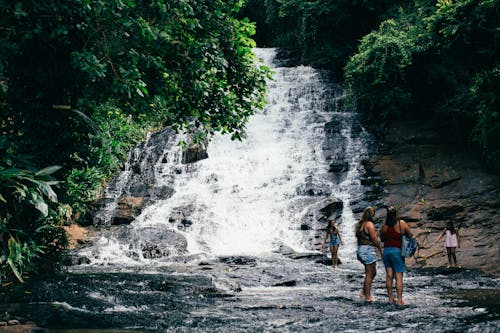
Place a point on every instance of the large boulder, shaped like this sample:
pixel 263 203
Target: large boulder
pixel 316 218
pixel 194 152
pixel 127 210
pixel 154 241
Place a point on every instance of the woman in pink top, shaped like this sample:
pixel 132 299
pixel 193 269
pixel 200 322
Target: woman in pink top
pixel 451 242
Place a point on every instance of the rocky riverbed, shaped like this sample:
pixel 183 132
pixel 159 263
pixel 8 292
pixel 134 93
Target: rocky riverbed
pixel 276 293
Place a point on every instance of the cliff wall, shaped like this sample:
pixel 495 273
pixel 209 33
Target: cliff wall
pixel 432 178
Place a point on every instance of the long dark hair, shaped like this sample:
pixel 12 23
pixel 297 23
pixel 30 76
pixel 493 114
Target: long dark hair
pixel 450 226
pixel 331 226
pixel 391 217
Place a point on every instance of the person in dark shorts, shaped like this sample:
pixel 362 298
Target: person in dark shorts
pixel 391 234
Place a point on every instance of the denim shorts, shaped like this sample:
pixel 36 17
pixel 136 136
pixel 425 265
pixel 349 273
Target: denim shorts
pixel 334 240
pixel 367 254
pixel 392 259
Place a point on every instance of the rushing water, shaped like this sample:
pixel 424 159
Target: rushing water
pixel 234 247
pixel 247 197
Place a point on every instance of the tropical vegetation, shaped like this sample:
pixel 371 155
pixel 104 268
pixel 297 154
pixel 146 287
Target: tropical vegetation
pixel 401 59
pixel 82 81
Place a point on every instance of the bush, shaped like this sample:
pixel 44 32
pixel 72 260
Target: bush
pixel 29 217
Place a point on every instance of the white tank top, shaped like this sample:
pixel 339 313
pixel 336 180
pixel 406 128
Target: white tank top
pixel 450 239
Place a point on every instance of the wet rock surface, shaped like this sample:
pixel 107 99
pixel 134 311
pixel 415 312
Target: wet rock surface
pixel 419 167
pixel 255 294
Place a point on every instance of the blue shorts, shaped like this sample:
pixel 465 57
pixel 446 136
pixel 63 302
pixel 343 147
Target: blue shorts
pixel 367 254
pixel 392 259
pixel 334 240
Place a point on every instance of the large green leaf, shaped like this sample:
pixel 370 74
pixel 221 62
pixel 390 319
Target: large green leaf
pixel 47 191
pixel 39 203
pixel 15 270
pixel 48 170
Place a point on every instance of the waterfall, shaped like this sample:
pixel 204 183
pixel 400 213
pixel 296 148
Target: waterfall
pixel 254 196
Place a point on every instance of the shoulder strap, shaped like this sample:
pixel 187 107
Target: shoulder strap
pixel 399 222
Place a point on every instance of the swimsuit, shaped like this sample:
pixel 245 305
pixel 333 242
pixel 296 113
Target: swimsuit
pixel 334 240
pixel 367 252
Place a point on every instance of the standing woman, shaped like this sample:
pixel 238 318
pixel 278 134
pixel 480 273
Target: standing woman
pixel 451 242
pixel 368 244
pixel 335 240
pixel 391 234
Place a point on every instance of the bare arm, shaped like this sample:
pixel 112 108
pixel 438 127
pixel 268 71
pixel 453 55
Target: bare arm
pixel 406 229
pixel 340 238
pixel 440 236
pixel 324 241
pixel 373 234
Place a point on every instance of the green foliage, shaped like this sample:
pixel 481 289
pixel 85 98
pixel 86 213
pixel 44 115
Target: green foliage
pixel 482 100
pixel 82 81
pixel 377 72
pixel 324 32
pixel 28 211
pixel 435 60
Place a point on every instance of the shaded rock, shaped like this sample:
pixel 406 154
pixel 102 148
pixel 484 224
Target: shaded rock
pixel 437 181
pixel 290 283
pixel 327 261
pixel 332 208
pixel 75 260
pixel 154 241
pixel 77 235
pixel 128 209
pixel 285 250
pixel 316 217
pixel 139 190
pixel 312 189
pixel 338 167
pixel 238 260
pixel 163 192
pixel 181 217
pixel 193 153
pixel 444 211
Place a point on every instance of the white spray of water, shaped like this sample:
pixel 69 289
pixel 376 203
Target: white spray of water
pixel 239 199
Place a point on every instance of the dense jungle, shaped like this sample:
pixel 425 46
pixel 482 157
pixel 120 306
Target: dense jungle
pixel 124 124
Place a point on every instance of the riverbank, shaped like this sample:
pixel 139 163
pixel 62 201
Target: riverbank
pixel 434 178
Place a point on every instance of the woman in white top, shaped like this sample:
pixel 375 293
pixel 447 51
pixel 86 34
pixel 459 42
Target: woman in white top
pixel 451 242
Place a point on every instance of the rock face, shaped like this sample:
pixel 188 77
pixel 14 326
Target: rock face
pixel 128 209
pixel 433 179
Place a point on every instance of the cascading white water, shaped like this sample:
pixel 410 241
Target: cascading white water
pixel 242 199
pixel 350 188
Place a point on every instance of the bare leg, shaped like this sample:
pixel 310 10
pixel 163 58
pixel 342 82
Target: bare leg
pixel 370 273
pixel 334 250
pixel 388 283
pixel 453 256
pixel 448 251
pixel 399 287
